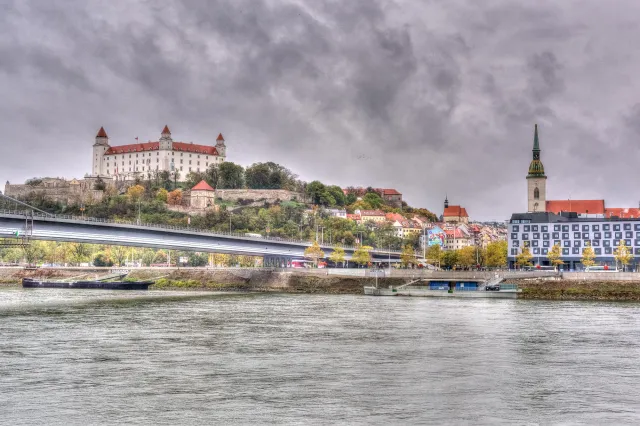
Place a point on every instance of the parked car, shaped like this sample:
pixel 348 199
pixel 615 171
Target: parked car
pixel 495 287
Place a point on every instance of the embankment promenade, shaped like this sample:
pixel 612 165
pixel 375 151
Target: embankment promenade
pixel 568 286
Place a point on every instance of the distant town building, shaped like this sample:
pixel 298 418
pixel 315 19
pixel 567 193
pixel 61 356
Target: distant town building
pixel 371 215
pixel 391 196
pixel 341 213
pixel 454 214
pixel 142 159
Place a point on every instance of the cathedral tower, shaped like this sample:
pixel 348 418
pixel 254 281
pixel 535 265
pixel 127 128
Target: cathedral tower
pixel 220 146
pixel 536 180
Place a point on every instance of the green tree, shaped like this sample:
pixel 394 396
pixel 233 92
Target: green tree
pixel 119 254
pixel 198 259
pixel 525 257
pixel 496 254
pixel 80 253
pixel 318 194
pixel 588 255
pixel 314 252
pixel 33 252
pixel 337 255
pixel 361 255
pixel 269 176
pixel 373 200
pixel 555 256
pixel 623 254
pixel 434 254
pixel 101 260
pixel 231 175
pixel 162 195
pixel 408 256
pixel 337 194
pixel 148 256
pixel 450 258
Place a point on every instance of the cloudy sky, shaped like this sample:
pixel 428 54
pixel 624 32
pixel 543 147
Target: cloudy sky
pixel 429 97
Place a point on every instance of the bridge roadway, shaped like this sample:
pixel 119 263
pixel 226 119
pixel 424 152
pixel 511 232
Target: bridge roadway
pixel 101 231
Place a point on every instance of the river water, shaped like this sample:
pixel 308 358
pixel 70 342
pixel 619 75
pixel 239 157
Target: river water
pixel 78 357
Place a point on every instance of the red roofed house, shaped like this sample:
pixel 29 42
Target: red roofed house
pixel 203 196
pixel 454 214
pixel 141 159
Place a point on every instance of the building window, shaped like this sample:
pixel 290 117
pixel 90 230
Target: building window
pixel 527 228
pixel 597 235
pixel 585 228
pixel 545 244
pixel 525 236
pixel 565 252
pixel 576 235
pixel 545 236
pixel 534 243
pixel 576 243
pixel 526 244
pixel 627 243
pixel 607 235
pixel 555 235
pixel 627 227
pixel 565 228
pixel 607 250
pixel 556 242
pixel 606 227
pixel 575 227
pixel 595 243
pixel 595 227
pixel 514 236
pixel 565 235
pixel 515 228
pixel 536 236
pixel 534 228
pixel 606 243
pixel 575 250
pixel 618 235
pixel 556 228
pixel 545 228
pixel 536 251
pixel 616 227
pixel 536 194
pixel 566 243
pixel 628 234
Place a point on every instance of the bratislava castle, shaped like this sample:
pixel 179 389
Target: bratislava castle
pixel 143 159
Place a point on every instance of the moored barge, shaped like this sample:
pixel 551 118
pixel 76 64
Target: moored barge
pixel 96 285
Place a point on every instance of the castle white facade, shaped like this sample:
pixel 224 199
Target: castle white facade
pixel 143 160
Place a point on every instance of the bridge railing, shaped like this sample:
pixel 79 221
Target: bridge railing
pixel 48 216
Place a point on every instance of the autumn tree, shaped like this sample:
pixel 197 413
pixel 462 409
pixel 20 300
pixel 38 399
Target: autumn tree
pixel 525 257
pixel 362 256
pixel 450 258
pixel 408 256
pixel 174 198
pixel 135 192
pixel 337 255
pixel 467 256
pixel 496 254
pixel 623 254
pixel 588 255
pixel 434 254
pixel 554 255
pixel 314 253
pixel 119 254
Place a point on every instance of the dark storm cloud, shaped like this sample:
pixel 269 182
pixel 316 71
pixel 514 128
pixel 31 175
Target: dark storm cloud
pixel 426 97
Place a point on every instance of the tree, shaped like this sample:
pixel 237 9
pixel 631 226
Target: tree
pixel 198 259
pixel 79 253
pixel 467 256
pixel 318 194
pixel 434 254
pixel 373 199
pixel 450 258
pixel 588 255
pixel 408 256
pixel 361 255
pixel 33 252
pixel 174 198
pixel 162 195
pixel 337 255
pixel 623 254
pixel 524 258
pixel 554 255
pixel 496 254
pixel 99 185
pixel 337 194
pixel 148 256
pixel 101 260
pixel 135 192
pixel 119 254
pixel 231 175
pixel 314 252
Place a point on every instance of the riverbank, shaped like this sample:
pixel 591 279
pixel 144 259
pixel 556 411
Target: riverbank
pixel 579 290
pixel 262 280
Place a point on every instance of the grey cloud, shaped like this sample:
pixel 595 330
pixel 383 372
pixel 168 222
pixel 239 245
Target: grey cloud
pixel 424 97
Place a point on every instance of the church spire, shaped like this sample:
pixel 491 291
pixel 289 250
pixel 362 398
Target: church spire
pixel 536 169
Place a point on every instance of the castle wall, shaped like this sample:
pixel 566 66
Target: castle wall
pixel 267 195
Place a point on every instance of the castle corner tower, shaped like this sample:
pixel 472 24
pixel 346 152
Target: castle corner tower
pixel 99 148
pixel 536 180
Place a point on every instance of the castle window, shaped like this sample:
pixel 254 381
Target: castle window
pixel 536 194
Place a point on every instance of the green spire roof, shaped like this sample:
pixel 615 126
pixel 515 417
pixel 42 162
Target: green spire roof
pixel 536 169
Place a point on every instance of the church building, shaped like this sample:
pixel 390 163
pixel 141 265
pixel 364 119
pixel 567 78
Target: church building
pixel 537 195
pixel 127 162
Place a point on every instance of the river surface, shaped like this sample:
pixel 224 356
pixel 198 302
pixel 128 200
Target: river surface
pixel 83 357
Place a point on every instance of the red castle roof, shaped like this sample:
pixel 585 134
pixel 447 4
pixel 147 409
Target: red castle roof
pixel 622 212
pixel 166 130
pixel 202 186
pixel 154 146
pixel 220 138
pixel 577 206
pixel 102 133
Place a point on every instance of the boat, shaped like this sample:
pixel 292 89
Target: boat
pixel 98 285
